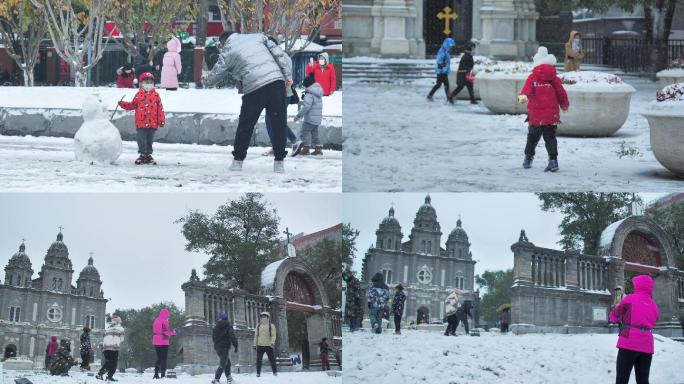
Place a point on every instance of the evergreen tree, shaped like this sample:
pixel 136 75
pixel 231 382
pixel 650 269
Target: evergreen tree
pixel 241 238
pixel 671 219
pixel 497 287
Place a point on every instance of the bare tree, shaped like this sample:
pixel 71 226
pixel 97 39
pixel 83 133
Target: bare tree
pixel 22 26
pixel 77 30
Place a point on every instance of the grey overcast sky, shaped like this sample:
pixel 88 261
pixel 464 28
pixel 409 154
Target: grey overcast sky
pixel 138 249
pixel 492 221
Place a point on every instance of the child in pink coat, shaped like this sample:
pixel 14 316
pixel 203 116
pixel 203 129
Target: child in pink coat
pixel 160 340
pixel 637 314
pixel 171 65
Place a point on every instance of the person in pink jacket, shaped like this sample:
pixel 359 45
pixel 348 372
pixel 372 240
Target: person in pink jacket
pixel 636 314
pixel 160 340
pixel 171 65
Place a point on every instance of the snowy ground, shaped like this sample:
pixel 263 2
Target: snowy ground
pixel 430 357
pixel 128 378
pixel 397 141
pixel 47 164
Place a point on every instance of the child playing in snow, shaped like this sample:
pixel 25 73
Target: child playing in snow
pixel 311 113
pixel 636 315
pixel 545 93
pixel 149 116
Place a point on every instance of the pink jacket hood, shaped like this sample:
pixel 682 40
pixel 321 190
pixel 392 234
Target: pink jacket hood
pixel 174 45
pixel 638 313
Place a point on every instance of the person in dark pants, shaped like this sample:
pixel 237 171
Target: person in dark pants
pixel 111 345
pixel 86 349
pixel 464 67
pixel 223 337
pixel 261 67
pixel 462 315
pixel 636 314
pixel 544 92
pixel 443 67
pixel 398 307
pixel 325 350
pixel 264 341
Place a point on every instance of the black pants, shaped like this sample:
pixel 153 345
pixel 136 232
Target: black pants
pixel 441 79
pixel 627 359
pixel 145 138
pixel 111 358
pixel 452 323
pixel 397 323
pixel 260 356
pixel 270 97
pixel 534 133
pixel 224 362
pixel 85 359
pixel 461 83
pixel 465 324
pixel 162 355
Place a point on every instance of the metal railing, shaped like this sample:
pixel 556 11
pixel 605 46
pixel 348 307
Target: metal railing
pixel 628 54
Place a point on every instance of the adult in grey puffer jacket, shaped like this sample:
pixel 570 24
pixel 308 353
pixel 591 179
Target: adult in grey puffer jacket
pixel 261 67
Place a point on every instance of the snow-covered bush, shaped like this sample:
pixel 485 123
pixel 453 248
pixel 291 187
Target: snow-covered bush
pixel 674 92
pixel 589 77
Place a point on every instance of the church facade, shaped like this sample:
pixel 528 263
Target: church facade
pixel 428 271
pixel 570 292
pixel 504 29
pixel 33 310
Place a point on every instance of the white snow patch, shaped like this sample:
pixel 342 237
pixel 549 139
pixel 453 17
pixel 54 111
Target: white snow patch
pixel 590 77
pixel 269 273
pixel 429 357
pixel 672 72
pixel 608 234
pixel 299 43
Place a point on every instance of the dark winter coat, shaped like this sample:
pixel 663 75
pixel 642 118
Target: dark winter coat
pixel 323 346
pixel 223 335
pixel 378 293
pixel 443 64
pixel 398 303
pixel 545 94
pixel 464 310
pixel 467 63
pixel 353 306
pixel 506 316
pixel 85 343
pixel 62 361
pixel 149 111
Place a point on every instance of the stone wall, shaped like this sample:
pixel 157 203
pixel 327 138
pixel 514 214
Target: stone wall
pixel 186 128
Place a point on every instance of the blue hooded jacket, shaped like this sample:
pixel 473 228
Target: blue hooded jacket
pixel 444 57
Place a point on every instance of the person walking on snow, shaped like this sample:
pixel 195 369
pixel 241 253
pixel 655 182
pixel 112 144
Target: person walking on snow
pixel 443 67
pixel 223 337
pixel 505 319
pixel 171 65
pixel 353 306
pixel 324 349
pixel 378 297
pixel 465 66
pixel 398 307
pixel 86 349
pixel 260 66
pixel 161 334
pixel 264 342
pixel 450 308
pixel 149 116
pixel 544 93
pixel 311 114
pixel 574 53
pixel 324 73
pixel 111 345
pixel 462 315
pixel 52 347
pixel 636 315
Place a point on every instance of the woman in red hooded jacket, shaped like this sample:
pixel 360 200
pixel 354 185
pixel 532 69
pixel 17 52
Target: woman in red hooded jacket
pixel 545 93
pixel 637 314
pixel 324 73
pixel 162 333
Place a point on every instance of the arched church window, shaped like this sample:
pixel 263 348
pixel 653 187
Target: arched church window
pixel 59 285
pixel 429 247
pixel 424 246
pixel 18 279
pixel 54 283
pixel 389 243
pixel 382 243
pixel 15 314
pixel 460 253
pixel 91 291
pixel 9 282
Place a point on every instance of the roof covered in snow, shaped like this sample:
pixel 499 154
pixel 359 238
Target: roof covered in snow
pixel 608 234
pixel 299 43
pixel 269 273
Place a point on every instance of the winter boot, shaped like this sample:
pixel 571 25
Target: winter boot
pixel 279 166
pixel 430 98
pixel 473 102
pixel 527 164
pixel 236 166
pixel 318 151
pixel 552 167
pixel 230 380
pixel 215 382
pixel 140 160
pixel 99 376
pixel 258 374
pixel 305 150
pixel 450 100
pixel 297 148
pixel 150 160
pixel 109 378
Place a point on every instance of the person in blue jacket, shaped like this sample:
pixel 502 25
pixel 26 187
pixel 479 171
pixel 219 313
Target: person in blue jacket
pixel 443 67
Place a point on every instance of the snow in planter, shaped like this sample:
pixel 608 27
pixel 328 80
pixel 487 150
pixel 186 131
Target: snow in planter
pixel 674 92
pixel 98 140
pixel 430 357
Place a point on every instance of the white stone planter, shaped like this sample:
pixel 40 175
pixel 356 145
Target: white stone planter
pixel 670 76
pixel 595 110
pixel 499 92
pixel 666 121
pixel 463 95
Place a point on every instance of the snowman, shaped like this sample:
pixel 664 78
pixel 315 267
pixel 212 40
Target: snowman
pixel 98 140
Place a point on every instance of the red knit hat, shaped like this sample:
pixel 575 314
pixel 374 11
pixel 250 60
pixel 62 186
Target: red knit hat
pixel 145 76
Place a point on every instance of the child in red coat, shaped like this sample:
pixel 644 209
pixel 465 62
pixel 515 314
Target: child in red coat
pixel 545 93
pixel 149 116
pixel 126 77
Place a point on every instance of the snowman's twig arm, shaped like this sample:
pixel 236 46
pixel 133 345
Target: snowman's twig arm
pixel 116 108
